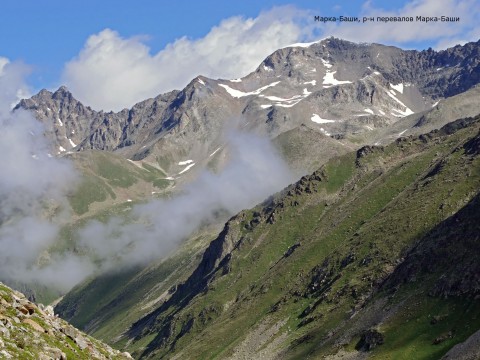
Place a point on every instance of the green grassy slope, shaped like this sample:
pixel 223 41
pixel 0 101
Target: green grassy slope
pixel 109 179
pixel 301 276
pixel 306 149
pixel 107 304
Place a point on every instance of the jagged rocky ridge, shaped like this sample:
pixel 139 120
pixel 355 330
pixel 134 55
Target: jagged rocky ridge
pixel 28 331
pixel 335 86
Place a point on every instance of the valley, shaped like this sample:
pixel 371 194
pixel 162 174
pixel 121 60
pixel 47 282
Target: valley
pixel 326 205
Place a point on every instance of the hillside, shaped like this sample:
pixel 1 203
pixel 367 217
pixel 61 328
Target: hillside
pixel 363 244
pixel 28 331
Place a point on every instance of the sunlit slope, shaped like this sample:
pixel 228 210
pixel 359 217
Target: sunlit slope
pixel 307 273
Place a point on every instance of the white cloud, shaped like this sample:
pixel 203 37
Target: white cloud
pixel 12 86
pixel 255 170
pixel 443 34
pixel 33 190
pixel 112 72
pixel 3 61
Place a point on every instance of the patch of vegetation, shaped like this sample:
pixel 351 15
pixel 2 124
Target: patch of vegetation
pixel 351 223
pixel 89 191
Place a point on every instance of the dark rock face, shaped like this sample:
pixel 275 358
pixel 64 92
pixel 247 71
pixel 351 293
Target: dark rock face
pixel 369 340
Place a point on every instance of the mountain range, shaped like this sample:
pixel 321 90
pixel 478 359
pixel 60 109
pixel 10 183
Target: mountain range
pixel 371 253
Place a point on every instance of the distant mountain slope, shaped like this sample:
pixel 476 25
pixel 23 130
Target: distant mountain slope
pixel 359 253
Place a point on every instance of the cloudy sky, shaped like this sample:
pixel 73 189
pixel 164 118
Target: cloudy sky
pixel 112 54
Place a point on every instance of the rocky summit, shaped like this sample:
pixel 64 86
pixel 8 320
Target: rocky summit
pixel 28 331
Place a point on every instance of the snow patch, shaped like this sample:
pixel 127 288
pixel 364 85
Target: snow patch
pixel 326 64
pixel 236 80
pixel 71 142
pixel 407 110
pixel 370 111
pixel 329 80
pixel 276 98
pixel 304 45
pixel 169 178
pixel 368 127
pixel 313 82
pixel 398 87
pixel 287 103
pixel 325 132
pixel 238 94
pixel 201 82
pixel 61 149
pixel 186 162
pixel 186 169
pixel 381 112
pixel 129 200
pixel 435 104
pixel 60 122
pixel 267 68
pixel 403 132
pixel 401 113
pixel 213 153
pixel 317 119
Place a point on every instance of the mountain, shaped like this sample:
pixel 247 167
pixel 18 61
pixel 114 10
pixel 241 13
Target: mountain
pixel 359 255
pixel 28 331
pixel 375 247
pixel 333 86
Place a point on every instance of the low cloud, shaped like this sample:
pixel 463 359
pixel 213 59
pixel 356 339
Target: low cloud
pixel 33 203
pixel 34 206
pixel 254 172
pixel 112 72
pixel 33 187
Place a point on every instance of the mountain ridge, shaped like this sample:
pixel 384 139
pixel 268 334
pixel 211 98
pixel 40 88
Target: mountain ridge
pixel 357 88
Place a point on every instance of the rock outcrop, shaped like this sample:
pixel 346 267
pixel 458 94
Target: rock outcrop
pixel 28 331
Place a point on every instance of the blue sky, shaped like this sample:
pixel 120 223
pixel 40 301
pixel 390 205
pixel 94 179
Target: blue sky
pixel 62 41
